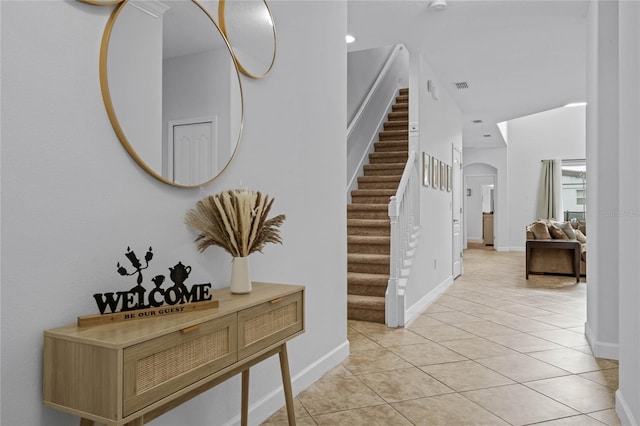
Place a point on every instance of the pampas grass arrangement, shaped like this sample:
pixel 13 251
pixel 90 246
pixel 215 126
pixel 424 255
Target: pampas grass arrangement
pixel 235 220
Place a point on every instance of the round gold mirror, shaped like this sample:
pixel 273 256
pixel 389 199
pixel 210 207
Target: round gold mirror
pixel 101 2
pixel 249 28
pixel 172 90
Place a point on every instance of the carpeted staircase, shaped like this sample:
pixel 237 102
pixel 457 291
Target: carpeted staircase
pixel 368 229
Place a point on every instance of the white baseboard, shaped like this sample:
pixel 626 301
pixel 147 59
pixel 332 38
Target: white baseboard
pixel 272 402
pixel 518 248
pixel 600 349
pixel 623 411
pixel 427 300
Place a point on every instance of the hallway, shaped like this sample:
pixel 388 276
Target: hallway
pixel 493 349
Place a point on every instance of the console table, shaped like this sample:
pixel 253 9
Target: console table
pixel 556 244
pixel 131 372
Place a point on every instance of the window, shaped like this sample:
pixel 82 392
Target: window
pixel 574 189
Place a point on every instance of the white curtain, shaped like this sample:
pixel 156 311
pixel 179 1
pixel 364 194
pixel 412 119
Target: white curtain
pixel 550 193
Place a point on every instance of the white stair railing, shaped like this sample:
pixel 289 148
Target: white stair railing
pixel 404 215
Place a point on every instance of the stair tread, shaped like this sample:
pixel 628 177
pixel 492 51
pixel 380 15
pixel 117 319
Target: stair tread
pixel 389 154
pixel 369 207
pixel 368 222
pixel 375 302
pixel 368 239
pixel 390 143
pixel 376 191
pixel 367 276
pixel 379 179
pixel 384 166
pixel 382 259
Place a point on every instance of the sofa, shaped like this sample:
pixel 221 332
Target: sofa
pixel 557 261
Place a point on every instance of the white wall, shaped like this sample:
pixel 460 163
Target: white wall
pixel 440 130
pixel 363 67
pixel 73 200
pixel 628 395
pixel 554 134
pixel 603 157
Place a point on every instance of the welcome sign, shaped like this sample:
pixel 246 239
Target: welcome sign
pixel 138 303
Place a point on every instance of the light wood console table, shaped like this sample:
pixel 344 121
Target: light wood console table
pixel 131 372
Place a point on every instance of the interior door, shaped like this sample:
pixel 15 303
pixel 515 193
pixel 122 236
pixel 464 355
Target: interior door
pixel 192 151
pixel 456 210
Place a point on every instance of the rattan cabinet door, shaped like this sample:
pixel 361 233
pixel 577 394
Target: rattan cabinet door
pixel 159 367
pixel 269 323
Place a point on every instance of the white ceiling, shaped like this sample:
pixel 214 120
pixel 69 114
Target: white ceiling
pixel 519 57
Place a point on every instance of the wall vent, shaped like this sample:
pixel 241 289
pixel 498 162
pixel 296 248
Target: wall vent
pixel 477 121
pixel 487 136
pixel 461 85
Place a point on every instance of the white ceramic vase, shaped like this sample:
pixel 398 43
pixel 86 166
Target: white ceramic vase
pixel 240 278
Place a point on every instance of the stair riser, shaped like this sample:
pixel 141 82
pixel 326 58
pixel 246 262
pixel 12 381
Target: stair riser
pixel 402 98
pixel 383 172
pixel 359 314
pixel 368 268
pixel 368 248
pixel 396 125
pixel 398 116
pixel 379 179
pixel 397 135
pixel 367 215
pixel 378 185
pixel 391 146
pixel 369 231
pixel 388 159
pixel 366 290
pixel 400 107
pixel 359 199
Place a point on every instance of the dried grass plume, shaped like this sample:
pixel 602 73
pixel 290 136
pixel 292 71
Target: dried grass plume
pixel 235 220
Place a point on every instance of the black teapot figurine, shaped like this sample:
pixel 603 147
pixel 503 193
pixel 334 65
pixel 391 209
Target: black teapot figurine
pixel 179 274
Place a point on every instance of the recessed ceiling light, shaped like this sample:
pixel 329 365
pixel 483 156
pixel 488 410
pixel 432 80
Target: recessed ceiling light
pixel 575 104
pixel 350 38
pixel 438 5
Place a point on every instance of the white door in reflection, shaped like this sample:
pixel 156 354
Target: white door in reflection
pixel 192 150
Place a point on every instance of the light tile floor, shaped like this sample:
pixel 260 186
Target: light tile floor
pixel 494 349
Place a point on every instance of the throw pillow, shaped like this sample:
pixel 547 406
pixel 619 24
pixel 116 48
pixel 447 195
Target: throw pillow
pixel 557 233
pixel 567 229
pixel 582 226
pixel 580 236
pixel 540 231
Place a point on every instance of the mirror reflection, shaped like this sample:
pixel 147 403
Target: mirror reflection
pixel 249 27
pixel 172 89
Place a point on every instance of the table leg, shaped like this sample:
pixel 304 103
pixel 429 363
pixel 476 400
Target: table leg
pixel 527 257
pixel 245 398
pixel 576 262
pixel 136 422
pixel 86 422
pixel 286 383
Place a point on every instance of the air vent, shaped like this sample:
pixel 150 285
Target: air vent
pixel 461 85
pixel 487 136
pixel 477 121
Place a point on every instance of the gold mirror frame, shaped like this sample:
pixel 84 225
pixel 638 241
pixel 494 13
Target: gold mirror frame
pixel 224 29
pixel 106 95
pixel 101 2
